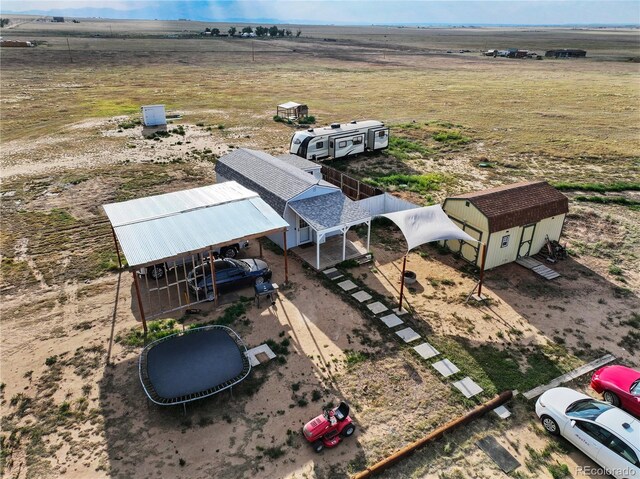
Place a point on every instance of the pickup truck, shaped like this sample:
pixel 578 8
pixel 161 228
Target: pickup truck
pixel 157 271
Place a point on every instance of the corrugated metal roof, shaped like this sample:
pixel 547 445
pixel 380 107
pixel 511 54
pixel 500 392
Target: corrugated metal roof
pixel 150 207
pixel 289 104
pixel 328 211
pixel 517 204
pixel 157 228
pixel 275 180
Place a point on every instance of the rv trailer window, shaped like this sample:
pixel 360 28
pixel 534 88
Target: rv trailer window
pixel 381 134
pixel 342 144
pixel 319 145
pixel 357 140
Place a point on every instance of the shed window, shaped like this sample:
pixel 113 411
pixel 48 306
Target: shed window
pixel 466 203
pixel 342 144
pixel 505 241
pixel 319 145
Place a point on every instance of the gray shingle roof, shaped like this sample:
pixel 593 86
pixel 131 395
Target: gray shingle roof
pixel 274 180
pixel 298 161
pixel 327 211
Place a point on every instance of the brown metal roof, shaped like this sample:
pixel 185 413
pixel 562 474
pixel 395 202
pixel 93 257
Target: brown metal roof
pixel 518 204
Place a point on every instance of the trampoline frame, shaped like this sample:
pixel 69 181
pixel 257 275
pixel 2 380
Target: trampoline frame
pixel 147 386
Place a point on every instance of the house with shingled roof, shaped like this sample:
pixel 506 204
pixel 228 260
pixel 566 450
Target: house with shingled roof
pixel 513 221
pixel 318 213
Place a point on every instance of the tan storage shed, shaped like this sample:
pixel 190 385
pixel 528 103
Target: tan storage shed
pixel 512 221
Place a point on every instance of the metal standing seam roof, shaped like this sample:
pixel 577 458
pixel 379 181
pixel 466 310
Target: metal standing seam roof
pixel 328 211
pixel 518 204
pixel 276 181
pixel 160 227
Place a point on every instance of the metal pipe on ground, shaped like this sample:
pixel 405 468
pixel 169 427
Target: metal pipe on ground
pixel 437 434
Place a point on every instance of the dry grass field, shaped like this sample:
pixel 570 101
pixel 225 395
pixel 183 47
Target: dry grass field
pixel 70 398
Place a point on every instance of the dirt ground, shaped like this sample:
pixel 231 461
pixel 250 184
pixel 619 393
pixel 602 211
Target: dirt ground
pixel 71 401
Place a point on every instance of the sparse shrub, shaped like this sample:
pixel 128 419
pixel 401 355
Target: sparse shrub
pixel 316 395
pixel 355 357
pixel 51 360
pixel 454 137
pixel 278 118
pixel 307 120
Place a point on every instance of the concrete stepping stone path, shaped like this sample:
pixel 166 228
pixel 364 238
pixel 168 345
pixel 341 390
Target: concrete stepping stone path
pixel 362 296
pixel 391 320
pixel 347 285
pixel 408 335
pixel 377 307
pixel 468 387
pixel 332 273
pixel 426 351
pixel 446 368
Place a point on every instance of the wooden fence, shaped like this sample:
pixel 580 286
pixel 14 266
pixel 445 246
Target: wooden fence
pixel 352 188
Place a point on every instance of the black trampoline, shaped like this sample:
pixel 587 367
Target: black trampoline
pixel 192 365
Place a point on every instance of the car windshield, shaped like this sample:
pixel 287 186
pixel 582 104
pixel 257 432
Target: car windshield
pixel 240 264
pixel 587 409
pixel 635 388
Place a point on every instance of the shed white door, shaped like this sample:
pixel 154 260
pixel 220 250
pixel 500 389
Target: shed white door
pixel 304 231
pixel 525 240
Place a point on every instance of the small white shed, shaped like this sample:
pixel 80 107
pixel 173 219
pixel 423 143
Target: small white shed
pixel 513 221
pixel 153 115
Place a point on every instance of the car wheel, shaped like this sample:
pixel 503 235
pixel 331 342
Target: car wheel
pixel 229 252
pixel 550 425
pixel 611 398
pixel 259 280
pixel 318 446
pixel 157 271
pixel 349 430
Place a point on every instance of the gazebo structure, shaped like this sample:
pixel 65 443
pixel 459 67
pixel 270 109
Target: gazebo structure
pixel 292 110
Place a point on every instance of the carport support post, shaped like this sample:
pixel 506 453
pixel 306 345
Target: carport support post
pixel 115 240
pixel 213 278
pixel 344 244
pixel 286 263
pixel 404 267
pixel 484 258
pixel 140 307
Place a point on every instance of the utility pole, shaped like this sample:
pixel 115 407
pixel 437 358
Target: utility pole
pixel 69 48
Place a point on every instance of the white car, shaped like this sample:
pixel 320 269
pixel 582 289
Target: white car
pixel 608 435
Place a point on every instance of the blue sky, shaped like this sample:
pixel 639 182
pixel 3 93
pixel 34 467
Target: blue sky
pixel 354 12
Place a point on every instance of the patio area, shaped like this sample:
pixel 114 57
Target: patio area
pixel 330 251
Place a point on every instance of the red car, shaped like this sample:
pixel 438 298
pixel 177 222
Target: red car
pixel 619 386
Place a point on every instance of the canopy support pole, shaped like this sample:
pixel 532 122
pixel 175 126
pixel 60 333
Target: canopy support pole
pixel 140 307
pixel 369 236
pixel 404 268
pixel 317 251
pixel 115 241
pixel 484 258
pixel 286 263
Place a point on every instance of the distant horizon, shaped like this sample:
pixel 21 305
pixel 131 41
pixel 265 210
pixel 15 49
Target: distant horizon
pixel 305 23
pixel 386 13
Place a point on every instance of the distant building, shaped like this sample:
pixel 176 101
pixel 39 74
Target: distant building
pixel 566 53
pixel 58 19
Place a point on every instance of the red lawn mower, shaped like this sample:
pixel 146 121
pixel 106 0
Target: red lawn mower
pixel 328 429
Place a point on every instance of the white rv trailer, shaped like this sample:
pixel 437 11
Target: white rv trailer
pixel 340 140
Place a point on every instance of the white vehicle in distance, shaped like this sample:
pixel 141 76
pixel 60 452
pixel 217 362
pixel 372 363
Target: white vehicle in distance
pixel 605 433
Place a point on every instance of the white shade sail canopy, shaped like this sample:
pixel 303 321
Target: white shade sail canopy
pixel 424 225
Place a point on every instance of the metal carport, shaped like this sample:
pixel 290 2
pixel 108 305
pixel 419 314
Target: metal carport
pixel 159 228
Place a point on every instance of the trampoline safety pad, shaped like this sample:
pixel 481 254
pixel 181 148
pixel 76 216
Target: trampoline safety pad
pixel 193 365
